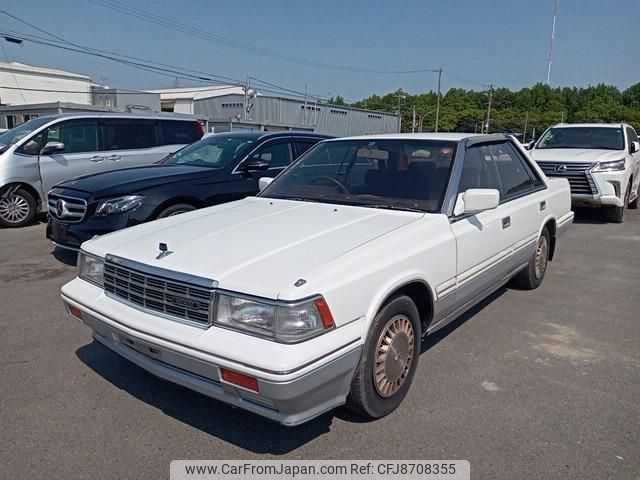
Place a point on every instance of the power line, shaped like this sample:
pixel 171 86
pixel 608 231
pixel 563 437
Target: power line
pixel 172 24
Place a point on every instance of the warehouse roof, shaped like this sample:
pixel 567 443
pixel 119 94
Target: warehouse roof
pixel 30 69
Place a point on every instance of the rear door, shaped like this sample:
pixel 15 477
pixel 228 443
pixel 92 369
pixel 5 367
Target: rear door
pixel 129 142
pixel 80 156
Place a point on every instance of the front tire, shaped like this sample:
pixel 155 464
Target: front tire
pixel 616 214
pixel 17 209
pixel 634 205
pixel 531 277
pixel 389 360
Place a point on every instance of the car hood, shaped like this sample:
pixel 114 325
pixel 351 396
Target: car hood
pixel 575 155
pixel 257 246
pixel 134 179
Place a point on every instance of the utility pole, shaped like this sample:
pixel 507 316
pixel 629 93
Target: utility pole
pixel 413 122
pixel 553 36
pixel 399 113
pixel 438 99
pixel 304 118
pixel 489 109
pixel 246 98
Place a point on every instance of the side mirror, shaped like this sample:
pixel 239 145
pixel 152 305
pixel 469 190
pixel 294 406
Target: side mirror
pixel 52 147
pixel 634 147
pixel 263 182
pixel 254 164
pixel 480 199
pixel 530 145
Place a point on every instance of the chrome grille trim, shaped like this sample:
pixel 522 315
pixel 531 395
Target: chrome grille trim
pixel 578 175
pixel 175 295
pixel 76 208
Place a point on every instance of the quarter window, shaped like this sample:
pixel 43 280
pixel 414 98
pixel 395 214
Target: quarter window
pixel 78 137
pixel 177 133
pixel 128 135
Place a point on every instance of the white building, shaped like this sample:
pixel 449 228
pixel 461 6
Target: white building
pixel 226 108
pixel 23 84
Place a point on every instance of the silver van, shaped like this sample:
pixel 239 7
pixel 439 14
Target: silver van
pixel 42 152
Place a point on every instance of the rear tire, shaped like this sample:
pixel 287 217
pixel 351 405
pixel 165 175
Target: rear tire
pixel 389 360
pixel 176 210
pixel 17 209
pixel 532 276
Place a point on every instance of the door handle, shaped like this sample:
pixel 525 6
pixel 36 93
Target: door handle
pixel 97 159
pixel 543 205
pixel 506 222
pixel 114 158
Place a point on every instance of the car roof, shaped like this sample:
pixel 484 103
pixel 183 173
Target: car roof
pixel 445 136
pixel 590 125
pixel 149 115
pixel 264 135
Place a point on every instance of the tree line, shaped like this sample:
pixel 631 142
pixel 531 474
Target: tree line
pixel 531 108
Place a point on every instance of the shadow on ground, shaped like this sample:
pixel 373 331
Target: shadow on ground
pixel 68 257
pixel 230 424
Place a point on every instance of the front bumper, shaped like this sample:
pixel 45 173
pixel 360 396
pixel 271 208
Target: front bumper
pixel 293 400
pixel 611 190
pixel 72 235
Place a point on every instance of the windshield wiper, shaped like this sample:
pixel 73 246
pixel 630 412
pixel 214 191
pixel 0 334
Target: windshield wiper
pixel 389 207
pixel 299 199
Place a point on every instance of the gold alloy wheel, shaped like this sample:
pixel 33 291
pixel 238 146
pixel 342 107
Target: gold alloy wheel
pixel 394 355
pixel 542 255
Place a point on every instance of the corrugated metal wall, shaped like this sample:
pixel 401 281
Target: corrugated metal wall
pixel 276 111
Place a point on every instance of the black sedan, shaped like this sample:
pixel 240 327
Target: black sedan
pixel 218 168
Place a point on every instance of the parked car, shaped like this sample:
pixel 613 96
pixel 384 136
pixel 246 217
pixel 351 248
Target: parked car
pixel 219 168
pixel 601 162
pixel 317 292
pixel 45 151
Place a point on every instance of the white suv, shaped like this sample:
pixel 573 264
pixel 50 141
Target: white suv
pixel 601 162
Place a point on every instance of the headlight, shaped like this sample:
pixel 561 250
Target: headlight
pixel 119 205
pixel 284 322
pixel 91 268
pixel 614 166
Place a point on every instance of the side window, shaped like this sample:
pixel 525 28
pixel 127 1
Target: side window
pixel 177 132
pixel 129 134
pixel 479 169
pixel 78 137
pixel 515 176
pixel 277 154
pixel 632 135
pixel 304 145
pixel 33 145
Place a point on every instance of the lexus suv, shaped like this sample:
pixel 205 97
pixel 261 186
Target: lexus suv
pixel 218 168
pixel 601 162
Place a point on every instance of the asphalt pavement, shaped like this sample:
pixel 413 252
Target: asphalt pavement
pixel 540 384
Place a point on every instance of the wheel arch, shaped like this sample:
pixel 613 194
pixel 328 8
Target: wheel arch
pixel 183 199
pixel 417 289
pixel 550 225
pixel 16 185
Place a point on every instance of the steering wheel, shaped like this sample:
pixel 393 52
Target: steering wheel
pixel 331 180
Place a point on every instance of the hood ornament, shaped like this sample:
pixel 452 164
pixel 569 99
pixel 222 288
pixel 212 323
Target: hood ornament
pixel 164 251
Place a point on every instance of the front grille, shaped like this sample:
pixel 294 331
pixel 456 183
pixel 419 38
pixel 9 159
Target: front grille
pixel 66 209
pixel 578 174
pixel 172 297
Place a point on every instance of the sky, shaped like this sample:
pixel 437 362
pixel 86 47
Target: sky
pixel 475 42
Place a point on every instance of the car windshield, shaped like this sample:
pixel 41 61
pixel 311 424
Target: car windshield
pixel 215 151
pixel 600 138
pixel 395 174
pixel 14 135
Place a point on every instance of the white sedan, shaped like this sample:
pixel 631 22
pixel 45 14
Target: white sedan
pixel 317 292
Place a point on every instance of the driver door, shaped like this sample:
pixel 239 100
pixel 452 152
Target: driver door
pixel 80 156
pixel 279 154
